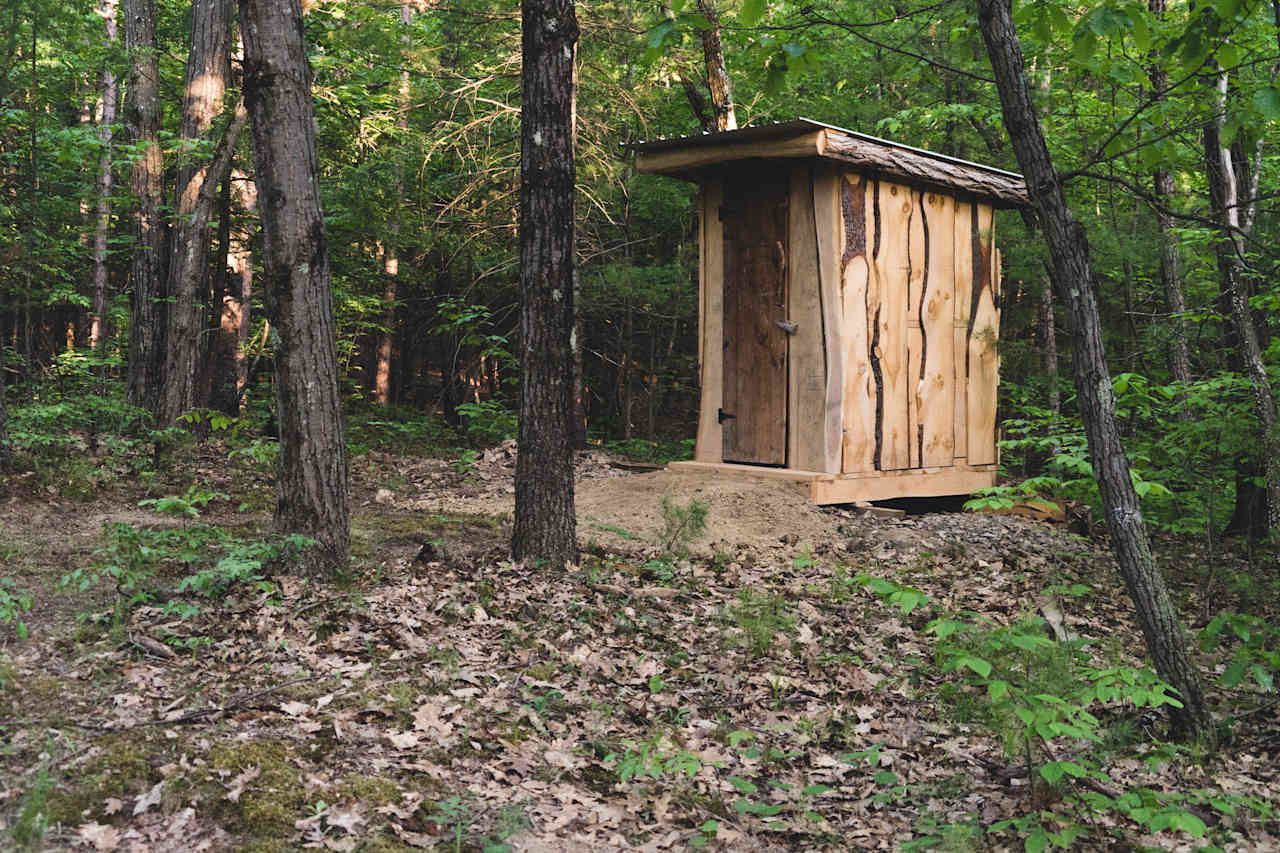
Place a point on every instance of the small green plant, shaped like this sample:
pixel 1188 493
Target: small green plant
pixel 33 820
pixel 188 505
pixel 681 525
pixel 1254 644
pixel 761 617
pixel 487 422
pixel 655 758
pixel 260 453
pixel 466 462
pixel 13 603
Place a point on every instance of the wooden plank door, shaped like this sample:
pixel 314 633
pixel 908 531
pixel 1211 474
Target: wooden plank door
pixel 753 214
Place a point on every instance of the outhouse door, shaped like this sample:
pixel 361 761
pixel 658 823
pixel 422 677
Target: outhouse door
pixel 754 403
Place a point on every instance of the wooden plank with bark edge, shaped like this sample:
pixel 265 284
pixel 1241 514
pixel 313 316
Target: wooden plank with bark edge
pixel 983 334
pixel 917 263
pixel 731 468
pixel 892 269
pixel 679 160
pixel 938 379
pixel 904 484
pixel 826 218
pixel 998 287
pixel 709 446
pixel 962 246
pixel 807 369
pixel 859 298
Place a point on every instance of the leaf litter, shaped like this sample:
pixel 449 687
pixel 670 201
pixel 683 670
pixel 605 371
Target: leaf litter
pixel 755 698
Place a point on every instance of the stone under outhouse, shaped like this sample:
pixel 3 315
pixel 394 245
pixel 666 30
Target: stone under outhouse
pixel 849 309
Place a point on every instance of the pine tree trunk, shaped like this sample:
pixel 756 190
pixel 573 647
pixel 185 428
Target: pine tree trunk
pixel 311 489
pixel 1224 196
pixel 142 124
pixel 106 118
pixel 1071 271
pixel 545 523
pixel 208 67
pixel 382 369
pixel 717 75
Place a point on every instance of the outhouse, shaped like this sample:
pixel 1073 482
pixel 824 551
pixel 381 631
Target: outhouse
pixel 849 309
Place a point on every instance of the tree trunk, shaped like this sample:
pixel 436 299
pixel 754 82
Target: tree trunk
pixel 717 75
pixel 142 124
pixel 1050 347
pixel 311 488
pixel 545 524
pixel 382 370
pixel 1170 260
pixel 106 118
pixel 1071 271
pixel 208 67
pixel 1225 198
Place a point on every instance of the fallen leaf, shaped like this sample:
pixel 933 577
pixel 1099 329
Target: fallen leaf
pixel 149 799
pixel 101 836
pixel 295 709
pixel 236 787
pixel 402 740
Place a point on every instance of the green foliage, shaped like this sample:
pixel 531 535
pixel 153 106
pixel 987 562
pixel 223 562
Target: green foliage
pixel 13 603
pixel 681 525
pixel 760 617
pixel 1042 697
pixel 655 758
pixel 1254 645
pixel 655 452
pixel 488 422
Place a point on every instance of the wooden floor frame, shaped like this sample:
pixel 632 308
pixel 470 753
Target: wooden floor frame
pixel 824 489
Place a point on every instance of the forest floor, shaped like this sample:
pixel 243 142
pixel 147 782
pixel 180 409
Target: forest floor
pixel 750 696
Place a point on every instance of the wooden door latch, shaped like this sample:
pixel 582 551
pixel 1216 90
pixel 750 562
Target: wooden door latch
pixel 787 326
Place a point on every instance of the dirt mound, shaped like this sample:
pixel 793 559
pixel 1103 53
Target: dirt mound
pixel 744 513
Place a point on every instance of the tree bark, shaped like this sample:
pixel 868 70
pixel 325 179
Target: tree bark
pixel 545 524
pixel 717 75
pixel 208 68
pixel 311 487
pixel 1050 347
pixel 106 118
pixel 142 124
pixel 1071 271
pixel 1225 198
pixel 1170 259
pixel 386 336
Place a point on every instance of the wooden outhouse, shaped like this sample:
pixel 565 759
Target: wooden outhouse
pixel 849 309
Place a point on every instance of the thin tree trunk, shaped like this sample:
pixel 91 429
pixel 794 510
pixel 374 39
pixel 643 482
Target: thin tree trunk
pixel 208 67
pixel 545 523
pixel 311 489
pixel 1050 347
pixel 1224 195
pixel 106 118
pixel 717 75
pixel 1071 270
pixel 382 370
pixel 142 123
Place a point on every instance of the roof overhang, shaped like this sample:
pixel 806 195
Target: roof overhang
pixel 694 158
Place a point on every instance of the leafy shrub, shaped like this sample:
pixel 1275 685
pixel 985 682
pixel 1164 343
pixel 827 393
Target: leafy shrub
pixel 488 422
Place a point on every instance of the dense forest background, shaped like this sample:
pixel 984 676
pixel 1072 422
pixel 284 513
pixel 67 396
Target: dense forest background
pixel 418 117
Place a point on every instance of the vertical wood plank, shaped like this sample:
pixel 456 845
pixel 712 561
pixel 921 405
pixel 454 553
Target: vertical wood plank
pixel 917 260
pixel 755 221
pixel 807 368
pixel 962 281
pixel 826 218
pixel 984 331
pixel 892 264
pixel 859 301
pixel 938 378
pixel 709 445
